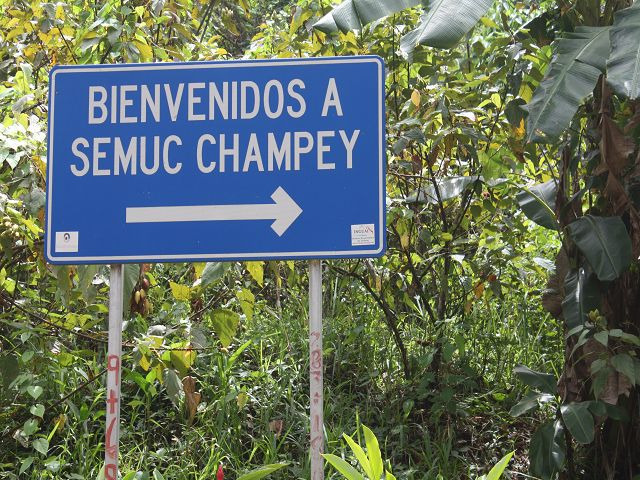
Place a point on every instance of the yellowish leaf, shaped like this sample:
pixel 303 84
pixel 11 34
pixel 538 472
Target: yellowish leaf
pixel 242 400
pixel 146 53
pixel 519 130
pixel 256 270
pixel 180 292
pixel 247 302
pixel 415 98
pixel 145 363
pixel 199 268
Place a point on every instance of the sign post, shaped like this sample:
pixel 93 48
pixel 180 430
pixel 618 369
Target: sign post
pixel 316 369
pixel 114 354
pixel 279 159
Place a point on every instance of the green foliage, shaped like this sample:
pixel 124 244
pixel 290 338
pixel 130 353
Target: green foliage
pixel 444 23
pixel 580 59
pixel 605 243
pixel 623 65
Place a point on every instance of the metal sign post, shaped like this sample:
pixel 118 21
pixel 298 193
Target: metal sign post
pixel 316 369
pixel 114 354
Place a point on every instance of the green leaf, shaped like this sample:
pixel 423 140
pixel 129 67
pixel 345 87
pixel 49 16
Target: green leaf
pixel 547 450
pixel 582 290
pixel 360 456
pixel 580 59
pixel 496 472
pixel 444 23
pixel 529 402
pixel 579 421
pixel 262 471
pixel 623 65
pixel 35 391
pixel 343 467
pixel 9 369
pixel 37 410
pixel 355 14
pixel 373 452
pixel 213 271
pixel 173 384
pixel 157 475
pixel 605 243
pixel 538 204
pixel 225 324
pixel 623 363
pixel 30 427
pixel 26 463
pixel 247 302
pixel 41 445
pixel 542 381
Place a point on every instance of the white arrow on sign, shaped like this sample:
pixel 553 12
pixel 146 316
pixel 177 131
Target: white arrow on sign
pixel 284 211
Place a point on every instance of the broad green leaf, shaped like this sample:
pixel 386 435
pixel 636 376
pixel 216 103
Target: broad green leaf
pixel 343 467
pixel 538 204
pixel 623 65
pixel 37 410
pixel 213 271
pixel 447 187
pixel 26 463
pixel 580 59
pixel 41 445
pixel 496 472
pixel 355 14
pixel 605 243
pixel 256 270
pixel 360 455
pixel 35 391
pixel 529 402
pixel 225 324
pixel 30 427
pixel 180 292
pixel 547 450
pixel 373 452
pixel 173 384
pixel 542 381
pixel 582 290
pixel 444 23
pixel 624 364
pixel 262 471
pixel 579 421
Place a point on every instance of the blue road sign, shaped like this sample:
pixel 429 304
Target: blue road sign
pixel 238 160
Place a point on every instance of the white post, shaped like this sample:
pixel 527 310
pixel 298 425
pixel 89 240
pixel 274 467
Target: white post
pixel 316 369
pixel 112 434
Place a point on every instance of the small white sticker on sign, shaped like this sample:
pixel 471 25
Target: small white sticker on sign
pixel 364 234
pixel 67 242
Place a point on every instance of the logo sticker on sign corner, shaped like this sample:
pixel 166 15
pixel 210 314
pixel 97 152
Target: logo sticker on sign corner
pixel 363 234
pixel 67 242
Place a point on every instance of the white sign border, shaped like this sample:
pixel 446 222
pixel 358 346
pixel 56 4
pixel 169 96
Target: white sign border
pixel 221 256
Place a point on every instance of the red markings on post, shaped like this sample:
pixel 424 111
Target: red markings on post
pixel 113 365
pixel 110 472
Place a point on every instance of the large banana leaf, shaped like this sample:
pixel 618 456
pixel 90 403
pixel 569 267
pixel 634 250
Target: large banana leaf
pixel 582 290
pixel 444 23
pixel 605 243
pixel 547 450
pixel 580 59
pixel 355 14
pixel 538 204
pixel 623 67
